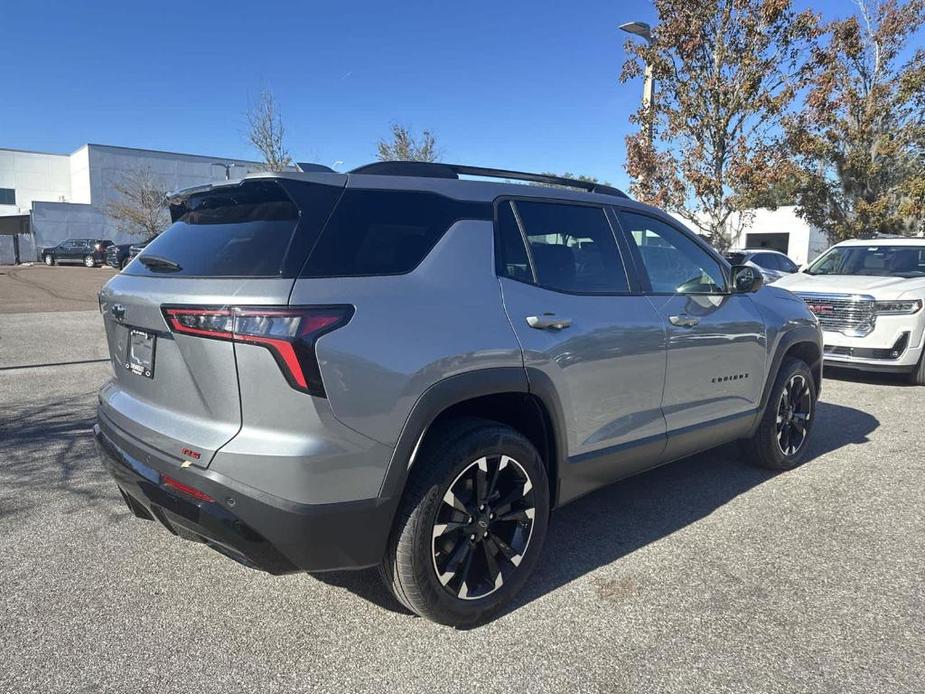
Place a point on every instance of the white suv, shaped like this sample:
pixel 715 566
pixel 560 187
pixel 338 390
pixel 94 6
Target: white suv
pixel 868 296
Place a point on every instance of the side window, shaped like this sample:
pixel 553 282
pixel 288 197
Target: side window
pixel 514 262
pixel 382 232
pixel 675 264
pixel 786 264
pixel 573 248
pixel 766 260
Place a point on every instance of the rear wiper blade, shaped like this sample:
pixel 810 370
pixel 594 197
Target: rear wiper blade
pixel 156 262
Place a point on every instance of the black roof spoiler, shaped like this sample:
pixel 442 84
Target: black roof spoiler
pixel 440 170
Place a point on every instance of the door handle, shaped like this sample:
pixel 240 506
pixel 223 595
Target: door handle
pixel 683 321
pixel 548 321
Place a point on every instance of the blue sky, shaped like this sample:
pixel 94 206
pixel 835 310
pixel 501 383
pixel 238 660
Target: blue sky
pixel 523 85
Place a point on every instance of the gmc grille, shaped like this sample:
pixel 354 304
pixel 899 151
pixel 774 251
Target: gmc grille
pixel 851 314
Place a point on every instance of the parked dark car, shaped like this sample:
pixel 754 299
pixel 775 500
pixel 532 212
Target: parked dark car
pixel 118 255
pixel 89 252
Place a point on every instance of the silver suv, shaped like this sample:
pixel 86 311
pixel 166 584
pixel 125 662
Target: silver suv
pixel 400 368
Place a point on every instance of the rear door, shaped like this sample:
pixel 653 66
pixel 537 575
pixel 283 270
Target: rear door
pixel 589 331
pixel 716 339
pixel 239 245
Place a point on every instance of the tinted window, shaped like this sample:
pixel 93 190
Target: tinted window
pixel 766 260
pixel 786 264
pixel 880 261
pixel 514 262
pixel 573 247
pixel 675 263
pixel 381 232
pixel 735 258
pixel 7 196
pixel 235 231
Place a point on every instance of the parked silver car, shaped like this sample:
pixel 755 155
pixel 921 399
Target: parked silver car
pixel 772 264
pixel 399 368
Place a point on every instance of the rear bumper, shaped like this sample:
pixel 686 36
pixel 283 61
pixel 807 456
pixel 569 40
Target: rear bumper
pixel 251 527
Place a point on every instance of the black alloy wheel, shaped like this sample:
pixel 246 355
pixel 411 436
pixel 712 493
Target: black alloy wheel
pixel 483 527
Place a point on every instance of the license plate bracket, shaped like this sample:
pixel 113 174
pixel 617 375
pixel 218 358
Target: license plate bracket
pixel 141 348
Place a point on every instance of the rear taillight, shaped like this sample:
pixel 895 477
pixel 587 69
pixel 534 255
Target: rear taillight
pixel 289 333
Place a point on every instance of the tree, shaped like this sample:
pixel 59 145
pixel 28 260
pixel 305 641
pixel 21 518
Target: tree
pixel 568 174
pixel 406 147
pixel 727 71
pixel 141 206
pixel 266 132
pixel 860 138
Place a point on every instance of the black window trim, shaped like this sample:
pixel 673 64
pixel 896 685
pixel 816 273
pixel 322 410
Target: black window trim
pixel 629 270
pixel 724 265
pixel 465 218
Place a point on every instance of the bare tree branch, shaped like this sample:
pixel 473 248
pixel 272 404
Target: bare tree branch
pixel 141 206
pixel 266 132
pixel 404 146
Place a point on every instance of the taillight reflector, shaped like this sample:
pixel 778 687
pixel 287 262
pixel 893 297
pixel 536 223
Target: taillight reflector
pixel 186 489
pixel 289 333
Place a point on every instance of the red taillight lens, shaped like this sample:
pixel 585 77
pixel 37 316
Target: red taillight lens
pixel 289 333
pixel 185 489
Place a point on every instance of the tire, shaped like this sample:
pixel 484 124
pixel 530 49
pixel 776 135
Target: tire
pixel 453 456
pixel 49 259
pixel 771 447
pixel 123 263
pixel 917 375
pixel 89 261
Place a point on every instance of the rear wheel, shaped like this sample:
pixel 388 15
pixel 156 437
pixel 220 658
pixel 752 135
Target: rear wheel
pixel 123 263
pixel 780 442
pixel 49 259
pixel 89 261
pixel 471 524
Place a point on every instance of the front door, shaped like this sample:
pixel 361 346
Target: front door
pixel 585 332
pixel 716 339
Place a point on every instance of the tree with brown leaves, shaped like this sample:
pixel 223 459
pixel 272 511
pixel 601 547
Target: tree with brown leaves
pixel 860 139
pixel 727 70
pixel 266 132
pixel 141 206
pixel 404 146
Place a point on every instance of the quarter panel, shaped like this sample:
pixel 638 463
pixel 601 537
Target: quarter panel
pixel 411 331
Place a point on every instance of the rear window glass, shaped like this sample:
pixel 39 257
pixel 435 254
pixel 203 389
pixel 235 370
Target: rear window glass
pixel 381 232
pixel 238 231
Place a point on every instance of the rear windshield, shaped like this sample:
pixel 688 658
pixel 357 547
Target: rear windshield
pixel 238 231
pixel 382 232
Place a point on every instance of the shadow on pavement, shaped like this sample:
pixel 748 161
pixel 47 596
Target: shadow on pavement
pixel 48 448
pixel 872 377
pixel 602 527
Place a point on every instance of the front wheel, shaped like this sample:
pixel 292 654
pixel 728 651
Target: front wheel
pixel 782 437
pixel 471 523
pixel 89 261
pixel 917 375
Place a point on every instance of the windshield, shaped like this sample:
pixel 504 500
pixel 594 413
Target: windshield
pixel 879 261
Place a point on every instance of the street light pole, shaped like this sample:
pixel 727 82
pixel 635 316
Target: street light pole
pixel 225 166
pixel 644 31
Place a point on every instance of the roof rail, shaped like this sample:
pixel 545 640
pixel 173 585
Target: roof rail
pixel 440 170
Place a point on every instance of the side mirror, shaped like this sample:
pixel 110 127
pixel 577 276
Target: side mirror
pixel 746 279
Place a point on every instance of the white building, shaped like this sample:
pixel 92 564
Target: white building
pixel 46 198
pixel 782 230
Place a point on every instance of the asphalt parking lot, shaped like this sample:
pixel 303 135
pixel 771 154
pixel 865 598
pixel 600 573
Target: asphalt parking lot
pixel 706 575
